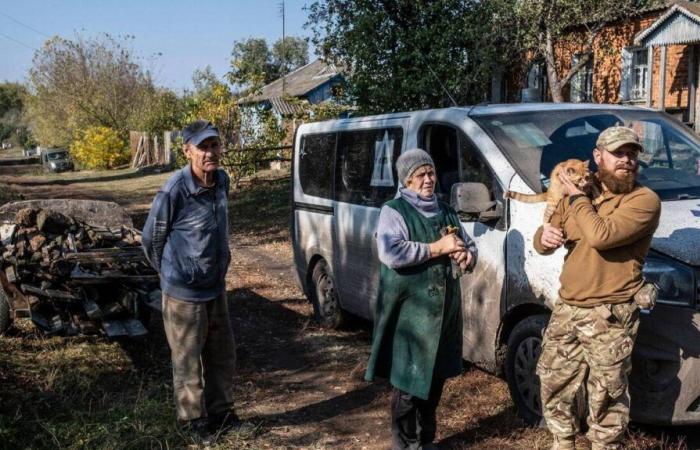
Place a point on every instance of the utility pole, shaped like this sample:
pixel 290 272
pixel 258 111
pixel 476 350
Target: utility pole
pixel 284 54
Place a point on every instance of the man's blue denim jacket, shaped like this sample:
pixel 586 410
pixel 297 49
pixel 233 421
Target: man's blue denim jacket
pixel 185 237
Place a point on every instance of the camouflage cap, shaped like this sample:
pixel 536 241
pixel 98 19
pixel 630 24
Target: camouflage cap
pixel 615 137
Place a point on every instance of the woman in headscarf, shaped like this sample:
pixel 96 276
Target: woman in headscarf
pixel 417 342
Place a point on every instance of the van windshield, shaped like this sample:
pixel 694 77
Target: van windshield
pixel 536 141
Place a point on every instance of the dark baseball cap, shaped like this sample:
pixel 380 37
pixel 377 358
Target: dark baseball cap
pixel 198 131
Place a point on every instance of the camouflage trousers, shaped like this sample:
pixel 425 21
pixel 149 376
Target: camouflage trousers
pixel 591 345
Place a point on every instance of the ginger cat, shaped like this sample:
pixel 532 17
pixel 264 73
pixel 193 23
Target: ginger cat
pixel 575 170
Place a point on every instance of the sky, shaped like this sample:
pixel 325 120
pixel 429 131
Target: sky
pixel 189 34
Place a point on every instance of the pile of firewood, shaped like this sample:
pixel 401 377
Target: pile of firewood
pixel 74 278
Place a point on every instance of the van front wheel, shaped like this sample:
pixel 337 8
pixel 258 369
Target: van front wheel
pixel 327 310
pixel 524 347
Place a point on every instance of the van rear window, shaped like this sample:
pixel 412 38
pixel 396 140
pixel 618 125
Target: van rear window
pixel 316 161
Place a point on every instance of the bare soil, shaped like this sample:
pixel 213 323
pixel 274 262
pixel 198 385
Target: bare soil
pixel 302 385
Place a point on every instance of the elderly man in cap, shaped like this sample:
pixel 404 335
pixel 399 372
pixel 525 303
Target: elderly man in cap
pixel 185 238
pixel 593 327
pixel 417 342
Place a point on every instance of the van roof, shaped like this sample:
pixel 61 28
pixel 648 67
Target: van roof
pixel 482 110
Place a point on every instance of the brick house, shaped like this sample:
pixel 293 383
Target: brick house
pixel 650 60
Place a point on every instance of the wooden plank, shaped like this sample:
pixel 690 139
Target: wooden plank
pixel 114 328
pixel 134 327
pixel 51 293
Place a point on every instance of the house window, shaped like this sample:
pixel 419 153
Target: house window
pixel 582 82
pixel 640 73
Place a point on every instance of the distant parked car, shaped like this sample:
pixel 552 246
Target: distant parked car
pixel 56 160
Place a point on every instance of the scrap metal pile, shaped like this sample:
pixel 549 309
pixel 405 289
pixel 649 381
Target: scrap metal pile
pixel 74 278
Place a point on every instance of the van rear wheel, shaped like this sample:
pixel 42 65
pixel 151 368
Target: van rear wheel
pixel 327 310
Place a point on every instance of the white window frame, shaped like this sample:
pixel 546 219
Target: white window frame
pixel 581 90
pixel 639 74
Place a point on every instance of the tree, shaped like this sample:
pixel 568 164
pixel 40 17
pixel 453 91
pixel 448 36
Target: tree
pixel 76 84
pixel 100 148
pixel 213 100
pixel 543 25
pixel 253 64
pixel 407 54
pixel 160 110
pixel 289 53
pixel 12 122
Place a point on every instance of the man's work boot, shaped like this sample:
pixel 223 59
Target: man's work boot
pixel 601 446
pixel 224 422
pixel 198 430
pixel 564 443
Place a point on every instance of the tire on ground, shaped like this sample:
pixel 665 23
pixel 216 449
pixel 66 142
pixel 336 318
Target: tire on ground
pixel 523 351
pixel 524 347
pixel 325 299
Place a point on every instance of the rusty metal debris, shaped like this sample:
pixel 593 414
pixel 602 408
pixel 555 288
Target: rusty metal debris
pixel 71 277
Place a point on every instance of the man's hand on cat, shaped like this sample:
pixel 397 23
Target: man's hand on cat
pixel 552 237
pixel 569 187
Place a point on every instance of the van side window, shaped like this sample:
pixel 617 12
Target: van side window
pixel 456 159
pixel 365 170
pixel 316 160
pixel 472 167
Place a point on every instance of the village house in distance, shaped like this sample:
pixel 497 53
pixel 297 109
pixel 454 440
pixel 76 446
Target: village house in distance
pixel 650 60
pixel 315 82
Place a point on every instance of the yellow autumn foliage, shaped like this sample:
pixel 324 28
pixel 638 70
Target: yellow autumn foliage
pixel 100 148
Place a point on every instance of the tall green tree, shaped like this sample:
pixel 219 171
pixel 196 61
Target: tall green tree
pixel 84 82
pixel 407 54
pixel 254 64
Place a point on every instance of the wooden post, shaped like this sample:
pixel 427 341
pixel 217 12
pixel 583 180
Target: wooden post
pixel 692 88
pixel 650 65
pixel 662 79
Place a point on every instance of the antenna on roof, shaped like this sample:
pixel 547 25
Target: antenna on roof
pixel 284 53
pixel 454 103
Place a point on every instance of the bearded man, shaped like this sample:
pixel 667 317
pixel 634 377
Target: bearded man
pixel 594 324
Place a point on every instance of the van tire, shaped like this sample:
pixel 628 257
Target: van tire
pixel 523 351
pixel 524 348
pixel 327 308
pixel 5 318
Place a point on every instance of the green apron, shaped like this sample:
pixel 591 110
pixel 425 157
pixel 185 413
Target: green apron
pixel 418 313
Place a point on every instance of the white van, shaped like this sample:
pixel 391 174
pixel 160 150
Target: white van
pixel 343 171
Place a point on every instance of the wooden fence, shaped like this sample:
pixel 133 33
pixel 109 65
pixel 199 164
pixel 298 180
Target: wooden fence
pixel 152 149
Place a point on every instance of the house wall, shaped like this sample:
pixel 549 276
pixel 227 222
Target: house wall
pixel 607 63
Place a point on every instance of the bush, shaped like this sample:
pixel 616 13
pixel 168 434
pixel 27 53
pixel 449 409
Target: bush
pixel 100 148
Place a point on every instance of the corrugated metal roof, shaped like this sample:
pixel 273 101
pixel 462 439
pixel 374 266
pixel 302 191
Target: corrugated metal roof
pixel 298 83
pixel 283 107
pixel 679 25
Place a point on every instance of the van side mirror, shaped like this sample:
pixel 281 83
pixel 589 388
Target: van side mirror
pixel 474 200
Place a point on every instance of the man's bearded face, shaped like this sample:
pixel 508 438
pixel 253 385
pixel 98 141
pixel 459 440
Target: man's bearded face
pixel 618 169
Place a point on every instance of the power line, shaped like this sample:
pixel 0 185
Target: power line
pixel 24 25
pixel 18 42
